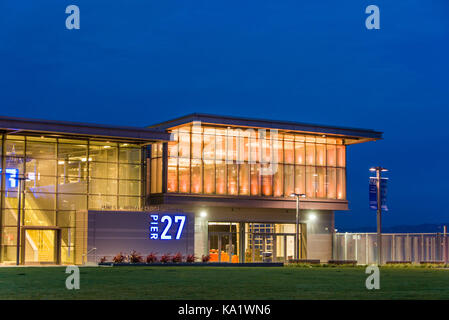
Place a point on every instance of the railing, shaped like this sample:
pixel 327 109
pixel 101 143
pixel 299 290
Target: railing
pixel 86 255
pixel 396 247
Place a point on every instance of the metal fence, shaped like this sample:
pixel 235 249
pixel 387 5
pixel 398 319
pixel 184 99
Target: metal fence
pixel 396 247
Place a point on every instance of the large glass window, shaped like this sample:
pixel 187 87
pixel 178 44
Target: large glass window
pixel 247 161
pixel 209 176
pixel 65 177
pixel 156 168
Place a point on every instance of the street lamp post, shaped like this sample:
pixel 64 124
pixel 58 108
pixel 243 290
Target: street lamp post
pixel 297 196
pixel 379 171
pixel 19 218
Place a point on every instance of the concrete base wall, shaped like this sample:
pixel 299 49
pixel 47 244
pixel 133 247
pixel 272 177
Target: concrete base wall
pixel 319 246
pixel 319 230
pixel 114 232
pixel 201 238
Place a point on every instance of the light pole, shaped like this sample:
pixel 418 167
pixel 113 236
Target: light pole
pixel 379 171
pixel 19 211
pixel 297 196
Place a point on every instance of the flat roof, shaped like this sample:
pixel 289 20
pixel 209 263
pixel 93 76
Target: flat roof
pixel 357 133
pixel 12 125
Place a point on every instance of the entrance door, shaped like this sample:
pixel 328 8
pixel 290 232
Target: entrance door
pixel 41 246
pixel 223 247
pixel 262 247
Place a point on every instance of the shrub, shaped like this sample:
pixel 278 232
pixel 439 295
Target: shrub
pixel 119 257
pixel 151 258
pixel 177 258
pixel 205 258
pixel 190 258
pixel 165 258
pixel 135 257
pixel 299 265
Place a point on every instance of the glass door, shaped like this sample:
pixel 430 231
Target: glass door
pixel 223 242
pixel 41 246
pixel 223 247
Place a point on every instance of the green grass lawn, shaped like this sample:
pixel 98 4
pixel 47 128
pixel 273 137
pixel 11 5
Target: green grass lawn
pixel 223 283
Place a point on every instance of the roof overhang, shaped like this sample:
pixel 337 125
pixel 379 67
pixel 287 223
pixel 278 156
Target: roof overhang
pixel 10 125
pixel 186 199
pixel 353 135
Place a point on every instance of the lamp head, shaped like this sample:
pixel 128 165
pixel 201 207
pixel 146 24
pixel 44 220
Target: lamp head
pixel 300 195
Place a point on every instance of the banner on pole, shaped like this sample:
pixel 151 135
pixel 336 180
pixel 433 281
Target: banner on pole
pixel 373 193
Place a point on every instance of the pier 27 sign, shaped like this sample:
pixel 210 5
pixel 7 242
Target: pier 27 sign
pixel 162 227
pixel 159 232
pixel 171 232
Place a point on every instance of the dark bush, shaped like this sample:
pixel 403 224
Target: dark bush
pixel 177 258
pixel 151 258
pixel 165 258
pixel 135 257
pixel 119 258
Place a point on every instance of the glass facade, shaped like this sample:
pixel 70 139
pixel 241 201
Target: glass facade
pixel 253 242
pixel 250 162
pixel 64 177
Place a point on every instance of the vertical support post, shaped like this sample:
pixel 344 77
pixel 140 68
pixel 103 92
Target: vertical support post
pixel 69 240
pixel 433 251
pixel 2 189
pixel 253 244
pixel 379 219
pixel 444 245
pixel 230 251
pixel 422 248
pixel 264 247
pixel 393 248
pixel 208 243
pixel 219 247
pixel 242 257
pixel 346 246
pixel 19 218
pixel 285 249
pixel 415 257
pixel 366 248
pixel 303 235
pixel 407 248
pixel 164 166
pixel 297 253
pixel 334 246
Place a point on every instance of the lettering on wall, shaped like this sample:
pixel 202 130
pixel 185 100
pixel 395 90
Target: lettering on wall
pixel 167 227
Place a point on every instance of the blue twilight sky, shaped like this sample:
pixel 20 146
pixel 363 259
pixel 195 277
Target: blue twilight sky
pixel 140 62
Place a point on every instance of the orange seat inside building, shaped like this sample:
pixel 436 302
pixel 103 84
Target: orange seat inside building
pixel 213 253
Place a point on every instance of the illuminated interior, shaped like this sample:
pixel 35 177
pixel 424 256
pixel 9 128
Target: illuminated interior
pixel 263 242
pixel 41 246
pixel 205 159
pixel 65 177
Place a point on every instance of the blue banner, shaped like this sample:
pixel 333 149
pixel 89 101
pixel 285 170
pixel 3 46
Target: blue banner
pixel 373 193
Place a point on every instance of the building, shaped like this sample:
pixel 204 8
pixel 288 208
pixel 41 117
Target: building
pixel 199 184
